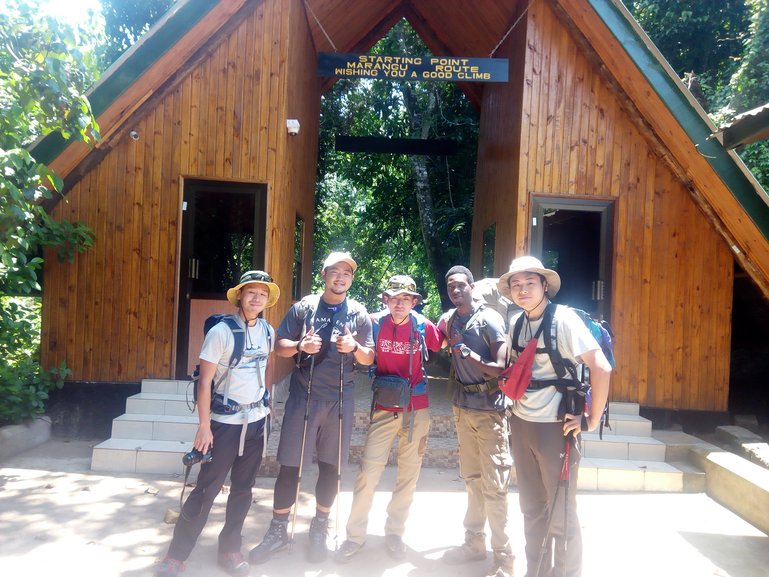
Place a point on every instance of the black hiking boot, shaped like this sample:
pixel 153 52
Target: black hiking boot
pixel 318 550
pixel 274 540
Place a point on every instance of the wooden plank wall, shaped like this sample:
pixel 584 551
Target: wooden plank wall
pixel 673 274
pixel 111 314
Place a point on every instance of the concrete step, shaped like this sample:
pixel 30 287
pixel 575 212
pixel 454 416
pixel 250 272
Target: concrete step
pixel 140 456
pixel 623 408
pixel 165 386
pixel 159 404
pixel 628 425
pixel 622 447
pixel 154 427
pixel 597 474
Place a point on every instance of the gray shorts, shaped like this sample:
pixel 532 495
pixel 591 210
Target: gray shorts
pixel 322 431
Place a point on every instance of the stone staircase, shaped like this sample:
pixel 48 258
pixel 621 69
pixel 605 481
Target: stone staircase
pixel 158 428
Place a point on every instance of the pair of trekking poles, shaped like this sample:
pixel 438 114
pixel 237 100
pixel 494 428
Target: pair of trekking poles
pixel 304 441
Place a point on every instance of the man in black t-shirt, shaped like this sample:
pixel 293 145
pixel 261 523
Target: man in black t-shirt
pixel 327 332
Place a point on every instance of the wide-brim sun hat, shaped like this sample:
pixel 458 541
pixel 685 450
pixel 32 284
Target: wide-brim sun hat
pixel 401 284
pixel 254 277
pixel 529 264
pixel 337 257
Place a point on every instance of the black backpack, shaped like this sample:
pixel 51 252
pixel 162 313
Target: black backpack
pixel 571 377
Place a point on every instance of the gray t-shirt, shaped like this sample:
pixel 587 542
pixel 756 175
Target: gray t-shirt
pixel 573 339
pixel 485 330
pixel 247 379
pixel 328 321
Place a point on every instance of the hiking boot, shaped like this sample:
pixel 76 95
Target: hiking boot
pixel 233 563
pixel 502 566
pixel 318 550
pixel 473 549
pixel 347 551
pixel 274 540
pixel 395 547
pixel 169 568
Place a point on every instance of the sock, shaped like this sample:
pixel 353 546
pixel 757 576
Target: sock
pixel 282 517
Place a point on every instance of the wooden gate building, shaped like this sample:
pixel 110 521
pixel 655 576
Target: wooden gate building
pixel 591 122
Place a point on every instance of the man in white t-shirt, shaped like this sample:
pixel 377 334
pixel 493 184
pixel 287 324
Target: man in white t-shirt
pixel 232 427
pixel 542 432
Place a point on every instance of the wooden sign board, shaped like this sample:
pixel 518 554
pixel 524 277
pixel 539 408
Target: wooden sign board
pixel 413 68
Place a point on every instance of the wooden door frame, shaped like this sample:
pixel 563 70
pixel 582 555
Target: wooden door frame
pixel 606 206
pixel 260 240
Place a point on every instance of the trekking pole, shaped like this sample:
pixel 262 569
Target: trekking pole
pixel 301 454
pixel 339 452
pixel 563 481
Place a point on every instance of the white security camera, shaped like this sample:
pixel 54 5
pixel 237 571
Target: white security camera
pixel 134 135
pixel 292 125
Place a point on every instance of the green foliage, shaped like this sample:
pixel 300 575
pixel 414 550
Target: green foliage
pixel 43 78
pixel 750 84
pixel 126 21
pixel 24 386
pixel 366 202
pixel 704 37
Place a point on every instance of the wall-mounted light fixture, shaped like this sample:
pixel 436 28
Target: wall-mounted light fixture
pixel 292 125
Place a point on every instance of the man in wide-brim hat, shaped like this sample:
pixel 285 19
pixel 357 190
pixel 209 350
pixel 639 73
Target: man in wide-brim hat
pixel 541 438
pixel 232 426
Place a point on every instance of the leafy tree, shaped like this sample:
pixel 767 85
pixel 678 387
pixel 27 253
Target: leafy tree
pixel 704 37
pixel 397 213
pixel 126 21
pixel 749 87
pixel 43 77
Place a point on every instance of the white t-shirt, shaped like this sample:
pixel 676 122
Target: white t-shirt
pixel 247 379
pixel 574 339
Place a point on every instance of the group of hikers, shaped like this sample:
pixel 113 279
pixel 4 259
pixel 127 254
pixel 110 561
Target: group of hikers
pixel 327 334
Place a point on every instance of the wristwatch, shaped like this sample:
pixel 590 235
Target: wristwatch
pixel 464 351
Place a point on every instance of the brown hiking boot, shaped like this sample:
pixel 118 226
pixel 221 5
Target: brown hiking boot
pixel 502 566
pixel 473 549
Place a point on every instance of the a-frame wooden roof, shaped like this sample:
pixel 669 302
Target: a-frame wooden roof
pixel 721 185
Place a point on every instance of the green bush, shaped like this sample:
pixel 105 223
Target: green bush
pixel 24 384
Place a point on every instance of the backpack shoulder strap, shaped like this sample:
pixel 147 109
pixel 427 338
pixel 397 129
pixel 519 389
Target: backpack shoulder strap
pixel 561 365
pixel 517 328
pixel 239 334
pixel 376 321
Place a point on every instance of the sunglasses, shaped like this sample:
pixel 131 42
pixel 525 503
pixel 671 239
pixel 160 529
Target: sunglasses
pixel 399 286
pixel 256 276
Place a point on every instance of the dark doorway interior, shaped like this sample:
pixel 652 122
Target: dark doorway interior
pixel 748 390
pixel 223 235
pixel 573 237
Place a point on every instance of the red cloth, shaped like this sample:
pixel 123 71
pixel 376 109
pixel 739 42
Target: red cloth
pixel 392 358
pixel 516 378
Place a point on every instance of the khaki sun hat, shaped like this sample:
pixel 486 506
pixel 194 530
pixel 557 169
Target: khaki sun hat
pixel 529 264
pixel 337 257
pixel 257 277
pixel 401 284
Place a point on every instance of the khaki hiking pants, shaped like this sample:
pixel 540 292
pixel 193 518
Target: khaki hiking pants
pixel 385 427
pixel 485 464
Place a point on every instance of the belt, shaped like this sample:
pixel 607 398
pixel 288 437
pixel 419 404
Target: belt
pixel 538 385
pixel 231 407
pixel 480 387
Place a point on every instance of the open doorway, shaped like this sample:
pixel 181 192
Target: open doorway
pixel 748 398
pixel 223 236
pixel 574 237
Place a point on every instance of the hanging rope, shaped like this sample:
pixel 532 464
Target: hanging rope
pixel 307 5
pixel 491 54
